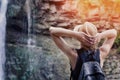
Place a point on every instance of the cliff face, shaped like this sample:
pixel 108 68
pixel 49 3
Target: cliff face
pixel 30 52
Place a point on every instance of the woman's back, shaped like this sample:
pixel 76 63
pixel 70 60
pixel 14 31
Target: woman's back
pixel 84 56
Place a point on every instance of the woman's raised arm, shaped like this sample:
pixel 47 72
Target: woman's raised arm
pixel 64 32
pixel 109 36
pixel 56 34
pixel 81 36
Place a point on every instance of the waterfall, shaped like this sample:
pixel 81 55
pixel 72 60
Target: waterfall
pixel 3 9
pixel 31 41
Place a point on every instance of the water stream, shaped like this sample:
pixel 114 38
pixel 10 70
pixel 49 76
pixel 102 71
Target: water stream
pixel 3 9
pixel 31 41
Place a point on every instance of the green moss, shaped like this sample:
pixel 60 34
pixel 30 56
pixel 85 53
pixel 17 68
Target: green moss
pixel 117 41
pixel 118 50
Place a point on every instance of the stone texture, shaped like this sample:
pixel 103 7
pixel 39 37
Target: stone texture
pixel 43 60
pixel 112 67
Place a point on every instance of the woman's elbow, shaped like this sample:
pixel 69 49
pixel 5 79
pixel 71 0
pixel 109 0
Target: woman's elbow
pixel 51 30
pixel 114 32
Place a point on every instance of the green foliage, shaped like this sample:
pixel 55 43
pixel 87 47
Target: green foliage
pixel 118 50
pixel 117 41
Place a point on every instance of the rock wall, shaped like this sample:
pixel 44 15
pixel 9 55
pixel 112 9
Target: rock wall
pixel 42 60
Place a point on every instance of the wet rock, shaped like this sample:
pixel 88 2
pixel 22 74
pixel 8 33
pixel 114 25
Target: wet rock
pixel 63 24
pixel 15 8
pixel 42 60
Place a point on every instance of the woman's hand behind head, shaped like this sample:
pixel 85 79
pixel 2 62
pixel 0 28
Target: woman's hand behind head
pixel 87 41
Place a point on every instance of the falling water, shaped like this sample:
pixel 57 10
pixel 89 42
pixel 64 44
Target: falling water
pixel 3 9
pixel 31 41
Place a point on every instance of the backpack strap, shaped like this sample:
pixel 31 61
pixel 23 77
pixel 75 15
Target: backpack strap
pixel 76 71
pixel 91 55
pixel 71 73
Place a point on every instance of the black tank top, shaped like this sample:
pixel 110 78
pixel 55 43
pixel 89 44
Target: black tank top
pixel 84 56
